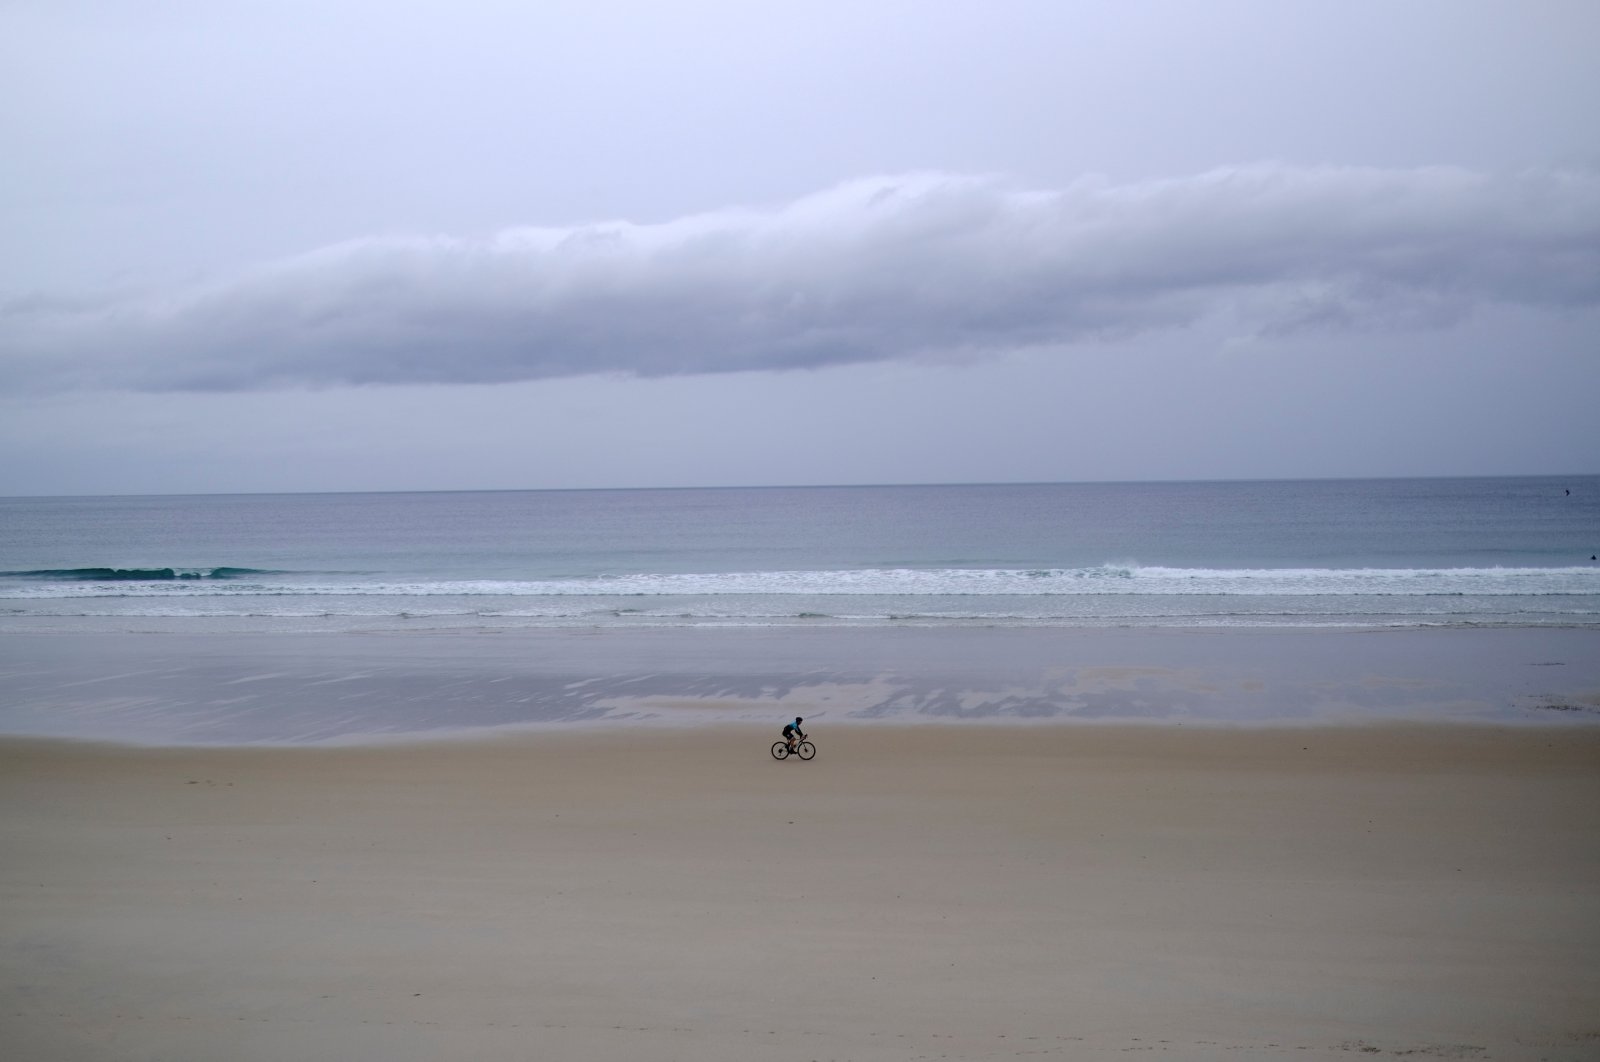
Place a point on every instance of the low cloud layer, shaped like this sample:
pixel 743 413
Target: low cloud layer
pixel 890 268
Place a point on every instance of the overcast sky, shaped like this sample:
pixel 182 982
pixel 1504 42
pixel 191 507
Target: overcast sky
pixel 354 245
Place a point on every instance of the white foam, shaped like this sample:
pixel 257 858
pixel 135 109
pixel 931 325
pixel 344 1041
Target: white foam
pixel 1107 580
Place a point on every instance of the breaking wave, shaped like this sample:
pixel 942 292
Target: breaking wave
pixel 132 575
pixel 1113 580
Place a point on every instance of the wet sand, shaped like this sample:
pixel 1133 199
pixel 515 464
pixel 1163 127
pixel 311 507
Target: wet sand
pixel 915 892
pixel 233 688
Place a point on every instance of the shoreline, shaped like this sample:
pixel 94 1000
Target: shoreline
pixel 970 891
pixel 224 688
pixel 764 733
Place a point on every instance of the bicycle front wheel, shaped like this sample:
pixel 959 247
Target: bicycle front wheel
pixel 780 749
pixel 807 750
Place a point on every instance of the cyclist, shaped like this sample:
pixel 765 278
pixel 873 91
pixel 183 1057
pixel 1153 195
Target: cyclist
pixel 793 734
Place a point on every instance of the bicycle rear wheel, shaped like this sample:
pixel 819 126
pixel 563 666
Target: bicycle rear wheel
pixel 780 749
pixel 807 750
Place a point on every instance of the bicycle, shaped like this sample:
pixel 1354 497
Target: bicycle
pixel 805 750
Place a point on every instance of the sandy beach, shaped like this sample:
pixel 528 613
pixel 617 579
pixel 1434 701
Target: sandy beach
pixel 914 892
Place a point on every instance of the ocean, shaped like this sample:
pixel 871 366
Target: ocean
pixel 1515 551
pixel 226 619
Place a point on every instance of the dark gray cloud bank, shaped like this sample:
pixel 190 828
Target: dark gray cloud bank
pixel 903 267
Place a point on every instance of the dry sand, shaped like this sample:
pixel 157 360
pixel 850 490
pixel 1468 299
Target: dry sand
pixel 914 892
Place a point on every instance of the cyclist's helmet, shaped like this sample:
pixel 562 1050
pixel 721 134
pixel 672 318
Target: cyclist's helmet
pixel 798 719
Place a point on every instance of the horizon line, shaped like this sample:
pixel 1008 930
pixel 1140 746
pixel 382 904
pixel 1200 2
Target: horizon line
pixel 814 486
